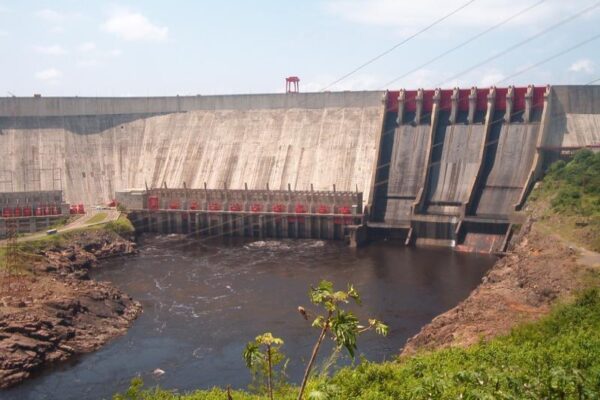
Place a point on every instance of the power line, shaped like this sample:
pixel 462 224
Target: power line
pixel 394 47
pixel 552 57
pixel 463 44
pixel 521 43
pixel 592 82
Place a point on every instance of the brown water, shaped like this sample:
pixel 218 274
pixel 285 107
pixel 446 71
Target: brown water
pixel 203 301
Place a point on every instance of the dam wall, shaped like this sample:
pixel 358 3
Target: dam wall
pixel 575 117
pixel 442 167
pixel 91 148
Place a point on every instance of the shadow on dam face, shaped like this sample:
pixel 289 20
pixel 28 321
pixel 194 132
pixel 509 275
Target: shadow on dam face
pixel 203 300
pixel 80 125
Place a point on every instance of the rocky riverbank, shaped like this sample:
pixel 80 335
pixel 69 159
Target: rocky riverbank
pixel 540 269
pixel 55 311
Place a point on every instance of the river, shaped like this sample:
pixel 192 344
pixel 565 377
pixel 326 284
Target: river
pixel 204 300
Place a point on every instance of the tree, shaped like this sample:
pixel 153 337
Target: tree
pixel 342 326
pixel 263 362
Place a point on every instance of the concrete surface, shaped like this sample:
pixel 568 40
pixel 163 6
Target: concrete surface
pixel 456 156
pixel 510 168
pixel 575 116
pixel 99 154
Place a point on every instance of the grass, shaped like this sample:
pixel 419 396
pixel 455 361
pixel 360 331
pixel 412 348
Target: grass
pixel 97 218
pixel 568 199
pixel 557 357
pixel 122 226
pixel 29 250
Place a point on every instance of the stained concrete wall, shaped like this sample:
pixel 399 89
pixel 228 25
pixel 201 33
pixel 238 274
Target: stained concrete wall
pixel 575 116
pixel 454 163
pixel 104 145
pixel 510 158
pixel 409 156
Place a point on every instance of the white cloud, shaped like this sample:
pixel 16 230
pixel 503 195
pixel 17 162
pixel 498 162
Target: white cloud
pixel 52 50
pixel 92 62
pixel 51 16
pixel 3 33
pixel 134 26
pixel 490 78
pixel 410 16
pixel 50 75
pixel 87 47
pixel 584 65
pixel 93 57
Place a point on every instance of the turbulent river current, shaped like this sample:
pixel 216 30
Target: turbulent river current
pixel 204 300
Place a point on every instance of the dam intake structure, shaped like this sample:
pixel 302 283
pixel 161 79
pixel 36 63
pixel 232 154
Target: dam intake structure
pixel 441 167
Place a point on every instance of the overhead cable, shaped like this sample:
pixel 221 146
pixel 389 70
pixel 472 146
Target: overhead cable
pixel 463 44
pixel 522 43
pixel 394 47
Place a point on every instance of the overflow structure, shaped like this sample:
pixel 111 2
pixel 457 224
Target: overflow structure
pixel 442 167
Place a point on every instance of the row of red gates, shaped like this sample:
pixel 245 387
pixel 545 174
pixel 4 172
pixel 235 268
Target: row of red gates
pixel 154 205
pixel 39 211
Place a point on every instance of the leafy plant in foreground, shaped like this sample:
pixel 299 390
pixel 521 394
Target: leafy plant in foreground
pixel 342 326
pixel 263 362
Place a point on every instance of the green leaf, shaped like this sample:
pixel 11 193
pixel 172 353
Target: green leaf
pixel 252 354
pixel 344 326
pixel 381 328
pixel 322 293
pixel 268 339
pixel 319 322
pixel 353 294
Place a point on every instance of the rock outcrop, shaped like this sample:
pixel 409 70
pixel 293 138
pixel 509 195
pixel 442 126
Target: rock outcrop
pixel 57 311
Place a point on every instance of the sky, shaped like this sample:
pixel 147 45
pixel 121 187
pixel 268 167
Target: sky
pixel 185 47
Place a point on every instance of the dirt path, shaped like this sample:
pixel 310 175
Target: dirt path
pixel 82 222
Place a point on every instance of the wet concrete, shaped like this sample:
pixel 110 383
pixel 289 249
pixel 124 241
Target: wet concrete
pixel 203 301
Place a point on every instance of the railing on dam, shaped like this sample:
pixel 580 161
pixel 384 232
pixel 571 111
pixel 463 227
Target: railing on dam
pixel 251 213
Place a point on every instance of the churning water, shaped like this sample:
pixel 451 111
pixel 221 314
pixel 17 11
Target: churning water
pixel 204 300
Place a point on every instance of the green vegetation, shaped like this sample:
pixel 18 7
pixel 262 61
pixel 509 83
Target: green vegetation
pixel 29 251
pixel 122 226
pixel 342 326
pixel 263 364
pixel 99 217
pixel 555 358
pixel 569 199
pixel 574 187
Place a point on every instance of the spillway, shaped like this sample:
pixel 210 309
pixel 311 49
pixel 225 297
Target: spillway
pixel 456 155
pixel 510 154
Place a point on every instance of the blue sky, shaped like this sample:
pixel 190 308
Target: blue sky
pixel 144 48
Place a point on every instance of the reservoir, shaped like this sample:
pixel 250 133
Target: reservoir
pixel 204 300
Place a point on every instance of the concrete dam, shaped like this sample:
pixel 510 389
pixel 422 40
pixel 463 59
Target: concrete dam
pixel 442 167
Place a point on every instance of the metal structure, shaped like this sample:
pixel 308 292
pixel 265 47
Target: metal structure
pixel 292 84
pixel 10 283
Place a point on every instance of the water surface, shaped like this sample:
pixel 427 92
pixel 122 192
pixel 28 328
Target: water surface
pixel 204 300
